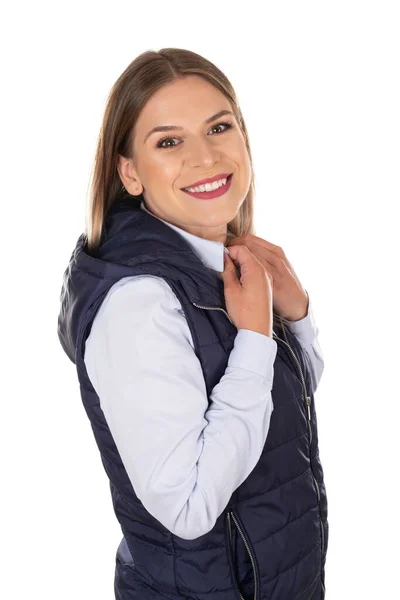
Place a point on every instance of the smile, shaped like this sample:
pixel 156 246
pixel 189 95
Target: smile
pixel 213 193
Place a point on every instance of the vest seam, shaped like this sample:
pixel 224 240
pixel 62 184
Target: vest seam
pixel 287 442
pixel 292 566
pixel 182 551
pixel 177 551
pixel 308 587
pixel 152 546
pixel 275 488
pixel 143 584
pixel 288 523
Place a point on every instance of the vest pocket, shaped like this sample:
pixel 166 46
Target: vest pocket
pixel 234 530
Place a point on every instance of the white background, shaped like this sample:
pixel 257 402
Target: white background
pixel 318 84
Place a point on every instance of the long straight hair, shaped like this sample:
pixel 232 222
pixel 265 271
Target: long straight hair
pixel 146 74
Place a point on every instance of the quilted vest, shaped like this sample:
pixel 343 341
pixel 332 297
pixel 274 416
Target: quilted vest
pixel 270 541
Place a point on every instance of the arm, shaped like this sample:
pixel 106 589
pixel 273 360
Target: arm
pixel 184 459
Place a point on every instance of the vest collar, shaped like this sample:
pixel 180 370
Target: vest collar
pixel 135 240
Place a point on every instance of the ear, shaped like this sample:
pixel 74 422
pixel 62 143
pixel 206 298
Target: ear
pixel 129 176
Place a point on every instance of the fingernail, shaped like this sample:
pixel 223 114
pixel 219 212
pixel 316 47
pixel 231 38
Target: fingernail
pixel 226 250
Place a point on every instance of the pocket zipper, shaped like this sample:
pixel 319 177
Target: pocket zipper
pixel 230 514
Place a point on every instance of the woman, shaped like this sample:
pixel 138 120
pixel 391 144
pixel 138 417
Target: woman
pixel 197 369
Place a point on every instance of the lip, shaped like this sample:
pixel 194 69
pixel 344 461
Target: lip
pixel 208 180
pixel 221 191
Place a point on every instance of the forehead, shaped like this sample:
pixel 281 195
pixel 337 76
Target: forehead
pixel 186 102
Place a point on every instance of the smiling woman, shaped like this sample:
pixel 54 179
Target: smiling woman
pixel 205 422
pixel 177 92
pixel 205 147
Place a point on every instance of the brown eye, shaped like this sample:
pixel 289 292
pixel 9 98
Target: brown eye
pixel 160 143
pixel 227 125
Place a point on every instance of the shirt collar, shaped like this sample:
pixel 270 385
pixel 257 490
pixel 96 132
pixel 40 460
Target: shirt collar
pixel 210 253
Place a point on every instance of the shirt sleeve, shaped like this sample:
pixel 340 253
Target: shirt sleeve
pixel 183 457
pixel 306 331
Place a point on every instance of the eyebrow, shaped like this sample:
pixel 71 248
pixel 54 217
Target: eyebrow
pixel 174 127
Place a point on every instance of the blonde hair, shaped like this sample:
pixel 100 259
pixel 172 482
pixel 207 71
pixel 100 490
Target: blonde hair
pixel 147 73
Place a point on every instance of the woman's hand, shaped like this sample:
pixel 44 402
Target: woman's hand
pixel 248 295
pixel 290 299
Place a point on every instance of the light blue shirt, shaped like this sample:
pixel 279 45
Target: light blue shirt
pixel 184 459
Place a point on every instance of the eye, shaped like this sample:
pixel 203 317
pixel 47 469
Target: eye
pixel 227 125
pixel 165 139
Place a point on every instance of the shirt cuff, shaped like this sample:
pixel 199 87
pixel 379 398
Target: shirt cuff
pixel 255 352
pixel 305 329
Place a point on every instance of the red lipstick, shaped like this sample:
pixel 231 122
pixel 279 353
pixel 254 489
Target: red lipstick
pixel 213 193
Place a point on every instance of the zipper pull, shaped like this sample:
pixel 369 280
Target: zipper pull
pixel 308 402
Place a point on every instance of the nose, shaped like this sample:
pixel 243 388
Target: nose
pixel 202 152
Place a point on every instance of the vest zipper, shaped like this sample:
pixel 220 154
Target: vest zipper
pixel 213 308
pixel 308 402
pixel 230 514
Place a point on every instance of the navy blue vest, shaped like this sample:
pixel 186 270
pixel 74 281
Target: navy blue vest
pixel 270 541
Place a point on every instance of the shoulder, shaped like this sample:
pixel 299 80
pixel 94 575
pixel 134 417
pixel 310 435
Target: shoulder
pixel 140 307
pixel 140 291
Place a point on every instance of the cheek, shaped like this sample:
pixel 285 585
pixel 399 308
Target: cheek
pixel 159 171
pixel 241 157
pixel 245 162
pixel 238 152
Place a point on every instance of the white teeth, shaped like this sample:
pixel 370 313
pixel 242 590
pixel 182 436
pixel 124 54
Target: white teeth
pixel 208 187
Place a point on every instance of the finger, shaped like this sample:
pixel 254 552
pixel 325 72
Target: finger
pixel 264 259
pixel 257 242
pixel 269 245
pixel 245 259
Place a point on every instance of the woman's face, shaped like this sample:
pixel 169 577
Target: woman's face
pixel 200 149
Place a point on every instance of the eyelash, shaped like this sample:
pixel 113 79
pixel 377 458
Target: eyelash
pixel 226 123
